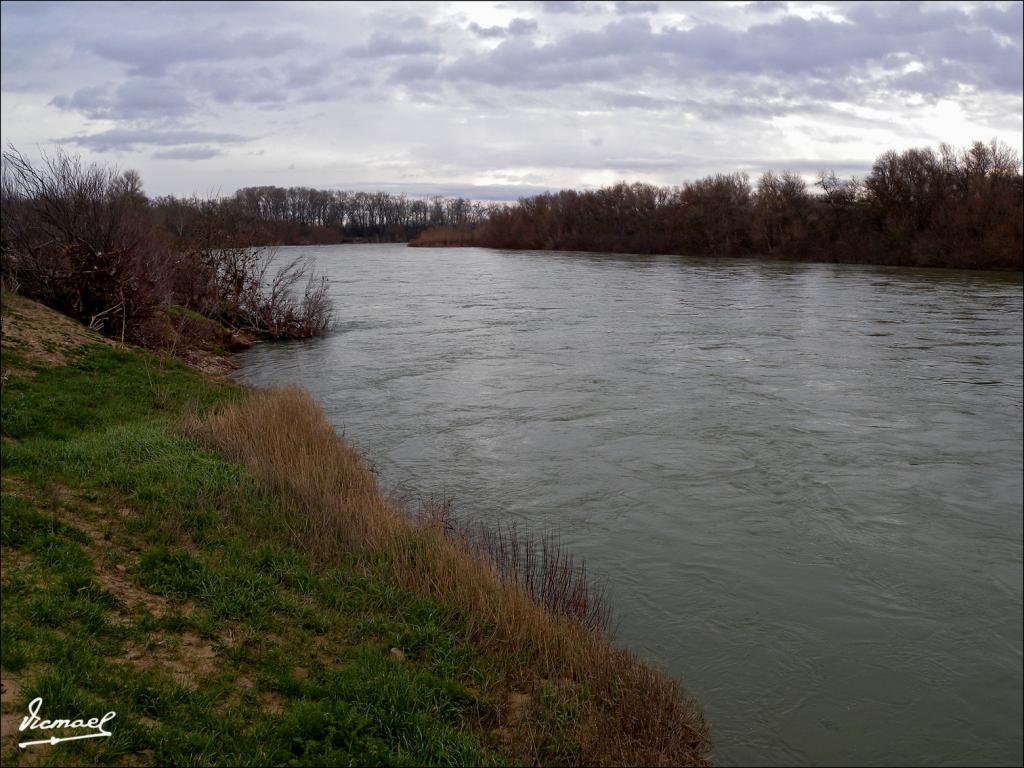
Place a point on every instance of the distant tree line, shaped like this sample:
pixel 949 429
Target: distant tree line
pixel 271 215
pixel 950 208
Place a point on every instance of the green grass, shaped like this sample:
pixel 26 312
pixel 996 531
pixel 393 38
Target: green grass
pixel 102 388
pixel 144 575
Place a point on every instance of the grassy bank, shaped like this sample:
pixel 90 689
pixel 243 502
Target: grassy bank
pixel 220 569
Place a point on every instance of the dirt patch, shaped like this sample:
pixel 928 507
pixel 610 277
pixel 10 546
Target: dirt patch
pixel 69 508
pixel 518 707
pixel 133 599
pixel 41 335
pixel 271 703
pixel 109 573
pixel 13 560
pixel 186 657
pixel 210 363
pixel 11 710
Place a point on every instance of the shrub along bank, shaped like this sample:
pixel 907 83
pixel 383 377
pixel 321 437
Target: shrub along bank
pixel 85 240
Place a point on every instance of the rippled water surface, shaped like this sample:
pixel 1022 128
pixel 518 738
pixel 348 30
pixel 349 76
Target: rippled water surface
pixel 802 482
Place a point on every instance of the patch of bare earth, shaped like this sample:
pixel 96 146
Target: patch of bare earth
pixel 269 702
pixel 210 363
pixel 41 335
pixel 132 599
pixel 10 707
pixel 186 657
pixel 109 566
pixel 12 560
pixel 518 707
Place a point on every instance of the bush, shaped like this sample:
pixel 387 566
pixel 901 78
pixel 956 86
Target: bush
pixel 77 238
pixel 84 240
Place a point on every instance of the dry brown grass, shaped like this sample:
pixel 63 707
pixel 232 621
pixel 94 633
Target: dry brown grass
pixel 537 618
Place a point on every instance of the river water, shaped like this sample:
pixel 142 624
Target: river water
pixel 802 483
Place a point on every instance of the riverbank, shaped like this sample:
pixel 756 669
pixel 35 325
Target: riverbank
pixel 241 592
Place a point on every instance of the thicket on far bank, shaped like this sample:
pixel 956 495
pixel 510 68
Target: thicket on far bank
pixel 950 208
pixel 85 240
pixel 306 216
pixel 527 605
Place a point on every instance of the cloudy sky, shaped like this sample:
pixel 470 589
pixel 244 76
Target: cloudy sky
pixel 495 100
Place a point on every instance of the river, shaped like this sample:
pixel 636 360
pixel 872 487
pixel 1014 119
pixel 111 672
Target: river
pixel 802 482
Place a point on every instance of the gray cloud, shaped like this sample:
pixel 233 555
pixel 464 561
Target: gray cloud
pixel 1008 20
pixel 581 57
pixel 392 19
pixel 479 31
pixel 566 6
pixel 153 54
pixel 259 85
pixel 303 76
pixel 766 6
pixel 633 100
pixel 758 104
pixel 953 50
pixel 516 28
pixel 415 70
pixel 140 98
pixel 632 6
pixel 124 139
pixel 188 153
pixel 384 46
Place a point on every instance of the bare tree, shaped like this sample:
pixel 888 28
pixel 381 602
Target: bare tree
pixel 78 237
